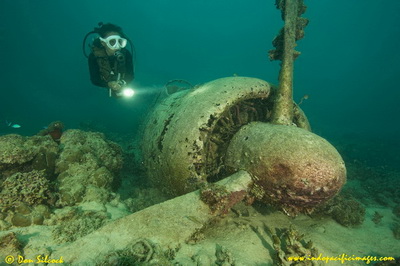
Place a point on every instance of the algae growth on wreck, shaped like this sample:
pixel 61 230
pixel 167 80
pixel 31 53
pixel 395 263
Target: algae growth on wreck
pixel 157 178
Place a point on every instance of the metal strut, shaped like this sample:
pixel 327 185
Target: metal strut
pixel 285 42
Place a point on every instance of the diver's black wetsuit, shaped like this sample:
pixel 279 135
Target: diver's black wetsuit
pixel 126 69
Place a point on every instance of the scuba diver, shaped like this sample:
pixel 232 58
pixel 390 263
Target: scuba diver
pixel 110 63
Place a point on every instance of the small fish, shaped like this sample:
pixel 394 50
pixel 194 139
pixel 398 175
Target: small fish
pixel 12 125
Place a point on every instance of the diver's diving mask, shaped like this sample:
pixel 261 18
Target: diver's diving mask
pixel 114 42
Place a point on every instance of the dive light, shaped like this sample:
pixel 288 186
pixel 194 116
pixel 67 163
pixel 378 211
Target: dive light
pixel 128 92
pixel 125 92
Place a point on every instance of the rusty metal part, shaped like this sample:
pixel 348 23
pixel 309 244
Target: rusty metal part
pixel 186 137
pixel 285 43
pixel 295 168
pixel 188 129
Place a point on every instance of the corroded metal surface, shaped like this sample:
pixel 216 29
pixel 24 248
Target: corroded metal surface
pixel 295 168
pixel 285 42
pixel 186 134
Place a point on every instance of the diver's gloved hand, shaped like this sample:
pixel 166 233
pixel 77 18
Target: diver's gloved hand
pixel 115 85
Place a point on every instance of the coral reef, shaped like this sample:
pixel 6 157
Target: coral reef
pixel 86 166
pixel 13 150
pixel 26 216
pixel 77 223
pixel 378 183
pixel 78 145
pixel 32 188
pixel 288 242
pixel 25 197
pixel 22 154
pixel 26 169
pixel 9 245
pixel 344 209
pixel 37 174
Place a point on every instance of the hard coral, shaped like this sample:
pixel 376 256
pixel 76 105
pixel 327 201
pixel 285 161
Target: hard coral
pixel 9 245
pixel 78 226
pixel 288 242
pixel 31 188
pixel 344 209
pixel 13 150
pixel 86 167
pixel 77 143
pixel 23 154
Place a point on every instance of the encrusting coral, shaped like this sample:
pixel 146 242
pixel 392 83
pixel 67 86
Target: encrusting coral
pixel 79 224
pixel 38 174
pixel 21 154
pixel 13 150
pixel 24 198
pixel 344 209
pixel 31 188
pixel 9 245
pixel 288 242
pixel 86 167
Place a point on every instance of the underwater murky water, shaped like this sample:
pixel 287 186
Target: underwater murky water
pixel 56 195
